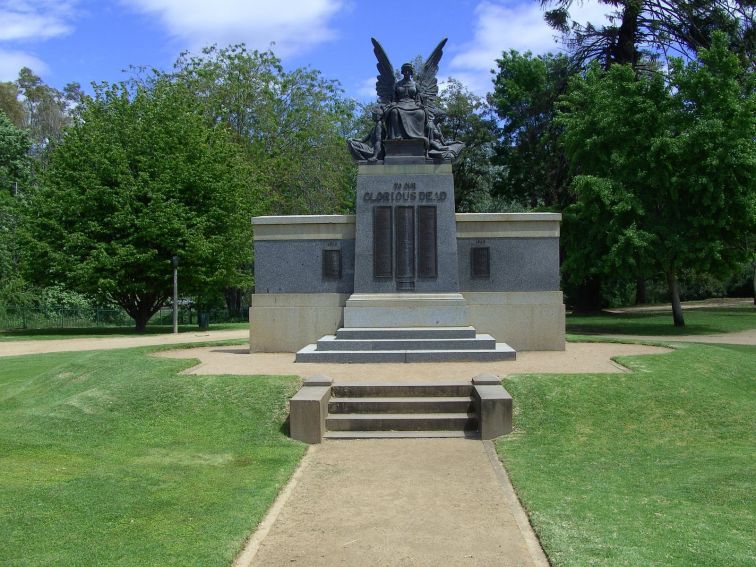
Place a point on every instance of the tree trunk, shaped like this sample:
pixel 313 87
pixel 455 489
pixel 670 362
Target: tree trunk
pixel 588 295
pixel 141 320
pixel 674 295
pixel 640 291
pixel 754 283
pixel 234 297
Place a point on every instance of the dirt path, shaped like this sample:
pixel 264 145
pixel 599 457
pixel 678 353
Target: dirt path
pixel 700 304
pixel 419 502
pixel 578 358
pixel 14 348
pixel 747 337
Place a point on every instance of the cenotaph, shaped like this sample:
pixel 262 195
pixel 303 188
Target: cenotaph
pixel 406 279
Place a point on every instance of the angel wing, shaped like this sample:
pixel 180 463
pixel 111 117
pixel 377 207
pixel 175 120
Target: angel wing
pixel 427 84
pixel 384 84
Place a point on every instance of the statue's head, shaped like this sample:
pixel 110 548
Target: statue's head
pixel 408 70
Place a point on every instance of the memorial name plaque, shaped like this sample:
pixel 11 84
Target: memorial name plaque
pixel 405 243
pixel 332 264
pixel 426 242
pixel 480 262
pixel 382 242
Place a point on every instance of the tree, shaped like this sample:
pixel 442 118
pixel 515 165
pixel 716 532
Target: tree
pixel 14 170
pixel 10 105
pixel 526 89
pixel 641 30
pixel 47 111
pixel 466 117
pixel 664 170
pixel 291 125
pixel 138 178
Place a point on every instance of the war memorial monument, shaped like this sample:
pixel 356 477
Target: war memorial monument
pixel 405 279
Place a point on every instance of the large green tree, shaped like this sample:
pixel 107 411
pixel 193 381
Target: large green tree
pixel 664 168
pixel 138 178
pixel 14 173
pixel 292 125
pixel 526 89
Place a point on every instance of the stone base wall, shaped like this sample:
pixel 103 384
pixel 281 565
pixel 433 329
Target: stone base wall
pixel 523 320
pixel 286 322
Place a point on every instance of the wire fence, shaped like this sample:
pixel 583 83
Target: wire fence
pixel 13 318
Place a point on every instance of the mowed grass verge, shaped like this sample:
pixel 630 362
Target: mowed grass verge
pixel 112 458
pixel 702 321
pixel 653 467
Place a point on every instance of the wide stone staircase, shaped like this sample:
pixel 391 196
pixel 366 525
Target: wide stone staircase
pixel 359 410
pixel 477 408
pixel 405 344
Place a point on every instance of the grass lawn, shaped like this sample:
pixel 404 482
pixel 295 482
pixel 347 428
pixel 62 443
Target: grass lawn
pixel 653 467
pixel 112 458
pixel 701 321
pixel 94 332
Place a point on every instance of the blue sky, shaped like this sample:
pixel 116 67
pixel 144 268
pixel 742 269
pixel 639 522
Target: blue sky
pixel 88 40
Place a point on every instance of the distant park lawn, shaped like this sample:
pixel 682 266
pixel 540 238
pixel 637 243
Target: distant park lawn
pixel 95 332
pixel 702 321
pixel 653 467
pixel 113 458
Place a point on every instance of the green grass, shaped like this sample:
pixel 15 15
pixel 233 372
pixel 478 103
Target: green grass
pixel 94 332
pixel 112 458
pixel 702 321
pixel 653 467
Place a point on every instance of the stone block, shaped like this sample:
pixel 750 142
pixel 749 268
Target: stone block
pixel 494 406
pixel 307 413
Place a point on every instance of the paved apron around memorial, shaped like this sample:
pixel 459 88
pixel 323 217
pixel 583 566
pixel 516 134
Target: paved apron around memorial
pixel 388 502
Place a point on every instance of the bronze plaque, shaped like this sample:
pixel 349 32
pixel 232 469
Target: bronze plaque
pixel 332 264
pixel 480 262
pixel 405 243
pixel 426 242
pixel 382 243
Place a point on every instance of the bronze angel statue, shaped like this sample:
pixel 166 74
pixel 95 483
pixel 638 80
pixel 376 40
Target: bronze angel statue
pixel 406 110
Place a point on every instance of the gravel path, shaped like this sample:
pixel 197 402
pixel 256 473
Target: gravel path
pixel 14 348
pixel 419 502
pixel 577 358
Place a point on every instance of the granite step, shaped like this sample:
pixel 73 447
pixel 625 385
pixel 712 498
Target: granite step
pixel 336 435
pixel 402 422
pixel 479 342
pixel 502 351
pixel 417 405
pixel 368 333
pixel 380 389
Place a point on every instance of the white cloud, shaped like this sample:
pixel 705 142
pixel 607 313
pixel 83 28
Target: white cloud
pixel 12 61
pixel 25 21
pixel 293 25
pixel 35 20
pixel 366 88
pixel 511 24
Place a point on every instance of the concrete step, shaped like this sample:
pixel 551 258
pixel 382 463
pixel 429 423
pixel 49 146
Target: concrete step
pixel 402 422
pixel 502 351
pixel 421 404
pixel 368 333
pixel 336 435
pixel 379 389
pixel 479 342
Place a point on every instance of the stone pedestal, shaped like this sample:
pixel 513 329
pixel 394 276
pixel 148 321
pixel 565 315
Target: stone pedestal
pixel 406 238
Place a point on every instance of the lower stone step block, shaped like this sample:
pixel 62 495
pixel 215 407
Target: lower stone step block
pixel 402 422
pixel 417 405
